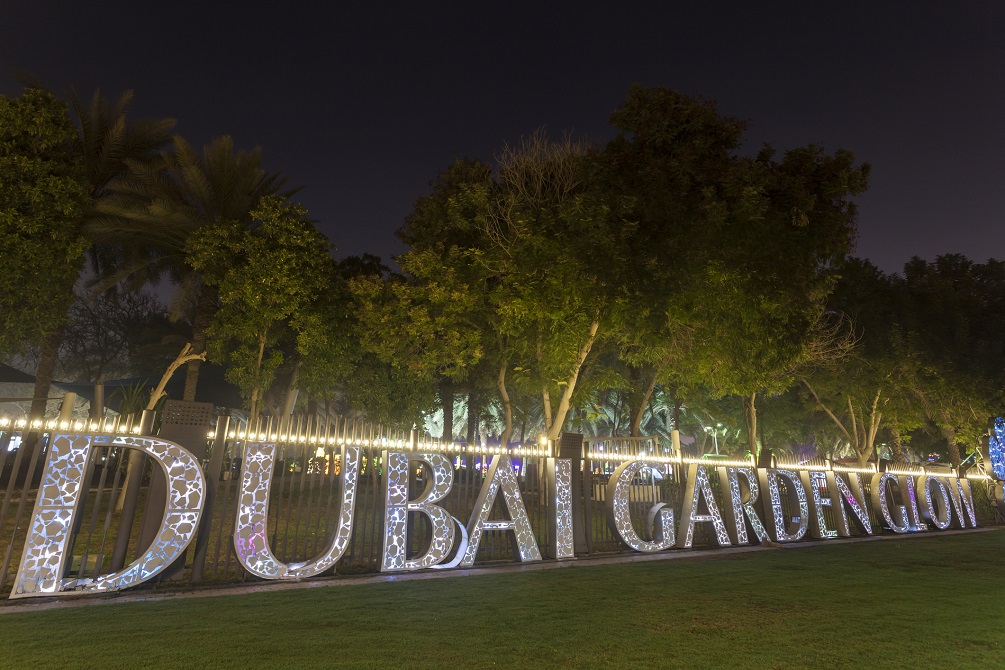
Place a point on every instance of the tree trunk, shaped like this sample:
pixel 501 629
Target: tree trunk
pixel 545 395
pixel 447 398
pixel 954 447
pixel 507 408
pixel 256 391
pixel 136 459
pixel 253 412
pixel 45 371
pixel 760 428
pixel 182 358
pixel 635 393
pixel 833 448
pixel 869 432
pixel 896 444
pixel 473 412
pixel 97 410
pixel 204 309
pixel 292 393
pixel 639 412
pixel 558 420
pixel 546 404
pixel 750 419
pixel 40 397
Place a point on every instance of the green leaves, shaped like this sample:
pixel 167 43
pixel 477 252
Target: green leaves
pixel 43 193
pixel 268 277
pixel 426 324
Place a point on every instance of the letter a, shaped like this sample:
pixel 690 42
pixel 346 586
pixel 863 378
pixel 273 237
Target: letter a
pixel 500 476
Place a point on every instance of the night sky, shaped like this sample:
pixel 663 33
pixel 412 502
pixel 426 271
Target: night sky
pixel 363 107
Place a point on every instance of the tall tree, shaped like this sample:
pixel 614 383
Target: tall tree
pixel 729 258
pixel 266 276
pixel 513 286
pixel 544 232
pixel 673 168
pixel 570 253
pixel 43 195
pixel 872 386
pixel 953 313
pixel 161 204
pixel 441 222
pixel 424 325
pixel 338 365
pixel 105 140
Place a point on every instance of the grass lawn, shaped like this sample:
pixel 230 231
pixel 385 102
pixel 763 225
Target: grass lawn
pixel 937 602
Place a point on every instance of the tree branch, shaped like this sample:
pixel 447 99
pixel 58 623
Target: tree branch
pixel 825 408
pixel 184 357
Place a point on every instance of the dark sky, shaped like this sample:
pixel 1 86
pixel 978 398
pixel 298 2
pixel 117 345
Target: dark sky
pixel 364 106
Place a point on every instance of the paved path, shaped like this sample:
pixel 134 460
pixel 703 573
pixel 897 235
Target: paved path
pixel 63 601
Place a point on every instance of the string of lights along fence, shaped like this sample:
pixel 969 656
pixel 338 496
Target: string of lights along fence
pixel 732 502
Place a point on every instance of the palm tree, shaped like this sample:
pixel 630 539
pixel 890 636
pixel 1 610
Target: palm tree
pixel 106 141
pixel 155 209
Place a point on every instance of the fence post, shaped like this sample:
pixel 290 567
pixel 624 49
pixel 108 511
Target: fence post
pixel 185 423
pixel 212 482
pixel 137 461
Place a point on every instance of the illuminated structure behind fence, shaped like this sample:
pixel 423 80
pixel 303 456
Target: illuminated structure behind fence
pixel 301 500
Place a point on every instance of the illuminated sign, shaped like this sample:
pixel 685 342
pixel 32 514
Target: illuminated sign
pixel 782 504
pixel 996 449
pixel 58 503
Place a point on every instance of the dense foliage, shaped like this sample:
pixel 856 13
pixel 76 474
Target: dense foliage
pixel 43 194
pixel 668 280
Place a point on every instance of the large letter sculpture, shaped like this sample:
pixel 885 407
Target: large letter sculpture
pixel 439 479
pixel 962 499
pixel 996 462
pixel 814 481
pixel 699 488
pixel 909 496
pixel 851 496
pixel 560 497
pixel 882 495
pixel 741 511
pixel 933 499
pixel 996 450
pixel 659 522
pixel 500 476
pixel 798 507
pixel 251 538
pixel 59 499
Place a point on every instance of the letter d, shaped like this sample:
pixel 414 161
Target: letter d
pixel 58 502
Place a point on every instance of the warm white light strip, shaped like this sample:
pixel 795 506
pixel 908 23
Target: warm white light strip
pixel 620 458
pixel 434 446
pixel 52 424
pixel 801 466
pixel 539 451
pixel 911 472
pixel 865 471
pixel 718 462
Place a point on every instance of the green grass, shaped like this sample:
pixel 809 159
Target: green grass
pixel 932 603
